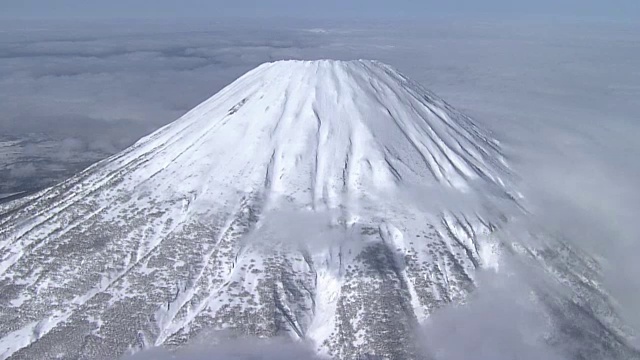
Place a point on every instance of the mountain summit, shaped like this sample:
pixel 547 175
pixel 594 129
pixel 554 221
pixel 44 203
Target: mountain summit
pixel 325 201
pixel 318 132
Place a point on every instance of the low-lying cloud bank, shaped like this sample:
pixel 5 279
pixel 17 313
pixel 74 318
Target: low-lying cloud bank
pixel 223 346
pixel 501 321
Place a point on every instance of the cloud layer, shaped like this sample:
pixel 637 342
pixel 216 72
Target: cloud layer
pixel 561 97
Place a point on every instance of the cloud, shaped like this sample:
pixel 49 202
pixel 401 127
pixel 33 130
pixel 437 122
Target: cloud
pixel 221 345
pixel 589 196
pixel 313 231
pixel 22 170
pixel 151 77
pixel 500 321
pixel 562 98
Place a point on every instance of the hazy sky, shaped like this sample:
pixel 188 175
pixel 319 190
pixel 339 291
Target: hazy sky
pixel 619 9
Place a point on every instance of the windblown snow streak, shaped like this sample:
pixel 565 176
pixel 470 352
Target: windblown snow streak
pixel 169 237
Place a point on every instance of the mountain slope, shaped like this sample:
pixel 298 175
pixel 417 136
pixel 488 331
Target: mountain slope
pixel 306 199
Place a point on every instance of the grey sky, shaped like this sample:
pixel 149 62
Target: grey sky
pixel 619 9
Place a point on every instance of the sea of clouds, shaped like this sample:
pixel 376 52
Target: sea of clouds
pixel 561 97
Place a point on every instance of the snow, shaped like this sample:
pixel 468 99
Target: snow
pixel 328 291
pixel 317 131
pixel 23 337
pixel 16 340
pixel 342 137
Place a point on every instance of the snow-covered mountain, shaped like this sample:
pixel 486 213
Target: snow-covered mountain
pixel 335 202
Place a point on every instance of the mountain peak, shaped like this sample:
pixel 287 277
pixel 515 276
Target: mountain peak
pixel 312 65
pixel 317 131
pixel 153 245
